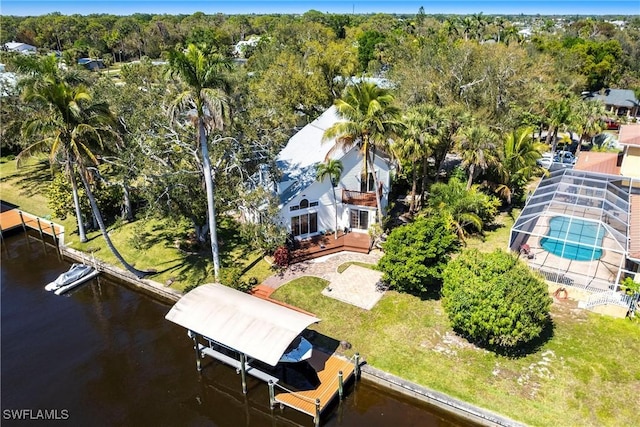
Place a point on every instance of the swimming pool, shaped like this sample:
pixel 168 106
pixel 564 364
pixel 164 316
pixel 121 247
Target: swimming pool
pixel 585 237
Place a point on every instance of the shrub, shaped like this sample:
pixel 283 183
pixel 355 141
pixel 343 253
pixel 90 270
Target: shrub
pixel 281 256
pixel 494 299
pixel 415 254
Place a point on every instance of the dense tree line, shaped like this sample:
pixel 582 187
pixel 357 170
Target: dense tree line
pixel 467 85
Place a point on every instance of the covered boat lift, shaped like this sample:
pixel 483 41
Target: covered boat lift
pixel 259 330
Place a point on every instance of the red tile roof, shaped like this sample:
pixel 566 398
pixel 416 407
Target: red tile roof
pixel 598 162
pixel 630 135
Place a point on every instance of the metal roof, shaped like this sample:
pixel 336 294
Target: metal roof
pixel 250 325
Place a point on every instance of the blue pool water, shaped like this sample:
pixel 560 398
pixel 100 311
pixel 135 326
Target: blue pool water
pixel 585 238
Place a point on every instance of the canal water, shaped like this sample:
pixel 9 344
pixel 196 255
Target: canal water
pixel 103 355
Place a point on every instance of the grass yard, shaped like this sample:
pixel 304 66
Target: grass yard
pixel 145 243
pixel 498 235
pixel 586 375
pixel 342 267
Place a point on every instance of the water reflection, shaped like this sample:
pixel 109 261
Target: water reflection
pixel 107 355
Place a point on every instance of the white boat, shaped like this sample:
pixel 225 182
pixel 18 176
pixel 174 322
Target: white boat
pixel 75 276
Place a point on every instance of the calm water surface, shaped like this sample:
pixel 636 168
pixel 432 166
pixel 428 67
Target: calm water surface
pixel 105 354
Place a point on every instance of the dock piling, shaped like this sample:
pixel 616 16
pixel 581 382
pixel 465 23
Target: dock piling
pixel 272 395
pixel 24 226
pixel 196 346
pixel 356 363
pixel 243 372
pixel 316 419
pixel 340 385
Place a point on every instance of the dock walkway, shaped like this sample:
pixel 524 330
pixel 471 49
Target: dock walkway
pixel 327 367
pixel 12 218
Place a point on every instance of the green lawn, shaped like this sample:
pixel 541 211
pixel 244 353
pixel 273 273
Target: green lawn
pixel 145 243
pixel 344 266
pixel 587 374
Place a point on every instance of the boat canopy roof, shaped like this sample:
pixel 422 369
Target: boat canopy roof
pixel 258 328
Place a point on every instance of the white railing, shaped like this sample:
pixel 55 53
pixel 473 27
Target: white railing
pixel 609 297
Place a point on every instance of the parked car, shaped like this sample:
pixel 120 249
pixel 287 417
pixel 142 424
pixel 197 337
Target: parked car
pixel 545 161
pixel 611 124
pixel 565 157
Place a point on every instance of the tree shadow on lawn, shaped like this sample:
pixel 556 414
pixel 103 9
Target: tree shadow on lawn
pixel 520 351
pixel 31 178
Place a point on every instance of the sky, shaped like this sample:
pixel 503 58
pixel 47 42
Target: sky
pixel 487 7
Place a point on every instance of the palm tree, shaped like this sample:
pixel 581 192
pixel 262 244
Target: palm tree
pixel 560 116
pixel 589 120
pixel 369 119
pixel 477 148
pixel 467 209
pixel 71 124
pixel 413 147
pixel 57 124
pixel 332 169
pixel 206 91
pixel 516 165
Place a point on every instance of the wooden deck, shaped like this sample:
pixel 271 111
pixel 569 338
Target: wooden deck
pixel 318 246
pixel 10 218
pixel 327 367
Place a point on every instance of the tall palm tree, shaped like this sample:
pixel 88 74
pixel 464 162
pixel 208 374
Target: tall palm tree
pixel 206 91
pixel 369 119
pixel 413 147
pixel 71 125
pixel 477 148
pixel 560 114
pixel 57 123
pixel 331 169
pixel 516 165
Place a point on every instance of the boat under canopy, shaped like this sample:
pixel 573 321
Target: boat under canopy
pixel 252 326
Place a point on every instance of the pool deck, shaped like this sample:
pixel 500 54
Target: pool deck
pixel 596 275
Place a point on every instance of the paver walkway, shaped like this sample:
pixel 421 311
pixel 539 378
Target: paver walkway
pixel 324 267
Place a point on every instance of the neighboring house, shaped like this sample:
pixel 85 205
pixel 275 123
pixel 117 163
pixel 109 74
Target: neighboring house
pixel 242 46
pixel 629 138
pixel 8 82
pixel 621 102
pixel 23 48
pixel 91 64
pixel 306 205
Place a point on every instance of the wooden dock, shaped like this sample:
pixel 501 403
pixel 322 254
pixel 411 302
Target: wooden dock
pixel 313 402
pixel 12 218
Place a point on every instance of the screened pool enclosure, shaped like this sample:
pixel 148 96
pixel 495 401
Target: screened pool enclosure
pixel 575 229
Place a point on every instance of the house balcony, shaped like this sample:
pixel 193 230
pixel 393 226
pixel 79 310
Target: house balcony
pixel 359 198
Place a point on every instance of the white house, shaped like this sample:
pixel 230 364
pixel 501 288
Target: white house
pixel 20 47
pixel 306 205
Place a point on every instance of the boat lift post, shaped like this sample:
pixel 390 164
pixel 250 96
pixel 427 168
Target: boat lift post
pixel 243 372
pixel 272 395
pixel 196 346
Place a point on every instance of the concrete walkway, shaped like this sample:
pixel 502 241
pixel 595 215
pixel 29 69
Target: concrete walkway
pixel 324 267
